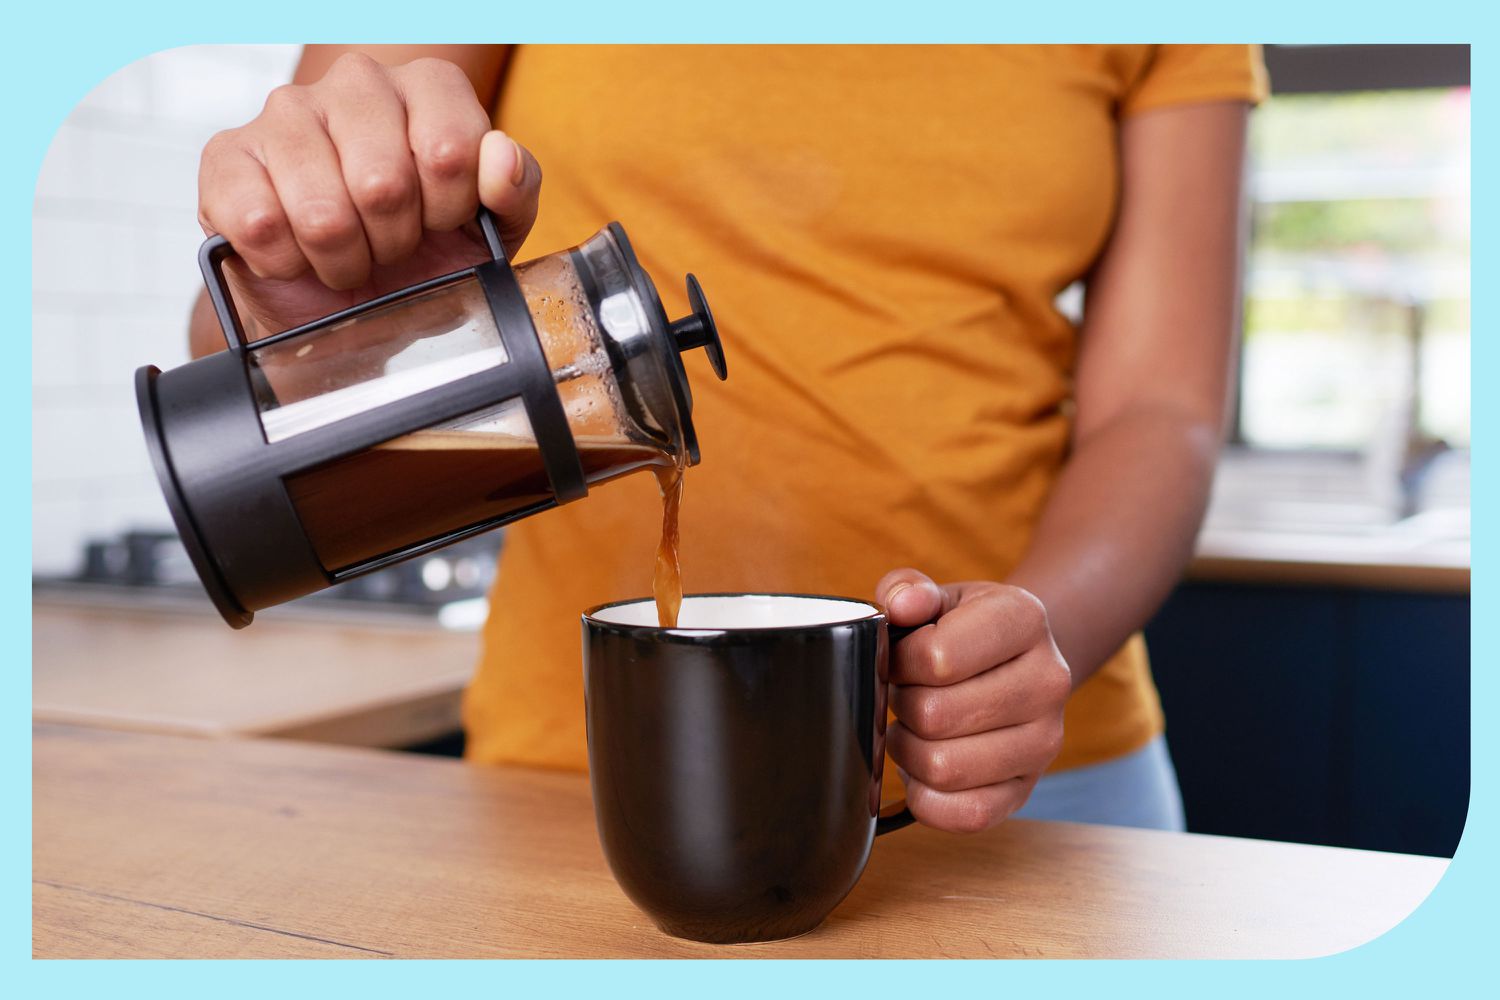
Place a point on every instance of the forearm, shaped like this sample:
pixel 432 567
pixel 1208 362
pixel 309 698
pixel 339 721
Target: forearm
pixel 1151 384
pixel 1118 528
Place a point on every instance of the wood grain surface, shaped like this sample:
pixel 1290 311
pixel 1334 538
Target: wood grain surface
pixel 361 684
pixel 156 846
pixel 1306 571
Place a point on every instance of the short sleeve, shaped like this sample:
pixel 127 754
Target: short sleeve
pixel 1190 74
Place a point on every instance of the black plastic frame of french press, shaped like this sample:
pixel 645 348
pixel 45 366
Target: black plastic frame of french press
pixel 276 561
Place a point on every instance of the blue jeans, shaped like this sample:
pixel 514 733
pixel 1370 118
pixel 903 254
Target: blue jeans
pixel 1138 789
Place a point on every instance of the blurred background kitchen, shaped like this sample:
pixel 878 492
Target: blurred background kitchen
pixel 1314 664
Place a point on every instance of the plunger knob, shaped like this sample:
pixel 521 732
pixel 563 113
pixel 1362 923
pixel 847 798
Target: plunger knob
pixel 698 329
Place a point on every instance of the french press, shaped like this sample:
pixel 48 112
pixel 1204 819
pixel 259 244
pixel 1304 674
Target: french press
pixel 301 459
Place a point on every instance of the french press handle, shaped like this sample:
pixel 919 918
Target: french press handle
pixel 216 249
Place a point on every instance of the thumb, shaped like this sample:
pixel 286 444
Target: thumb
pixel 510 183
pixel 910 597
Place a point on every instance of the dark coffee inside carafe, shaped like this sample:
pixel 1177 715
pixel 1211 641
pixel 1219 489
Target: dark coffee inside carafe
pixel 436 481
pixel 433 482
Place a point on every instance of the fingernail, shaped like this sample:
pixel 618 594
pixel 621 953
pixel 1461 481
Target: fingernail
pixel 890 599
pixel 517 172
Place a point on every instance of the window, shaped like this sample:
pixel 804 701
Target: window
pixel 1357 281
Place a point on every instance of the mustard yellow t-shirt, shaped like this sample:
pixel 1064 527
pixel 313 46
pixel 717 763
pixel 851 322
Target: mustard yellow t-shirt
pixel 882 232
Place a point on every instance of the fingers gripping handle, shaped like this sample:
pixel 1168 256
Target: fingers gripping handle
pixel 896 815
pixel 216 249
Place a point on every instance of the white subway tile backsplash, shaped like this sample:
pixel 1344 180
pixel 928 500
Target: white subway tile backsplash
pixel 88 441
pixel 130 167
pixel 56 354
pixel 114 255
pixel 142 172
pixel 167 260
pixel 127 344
pixel 67 255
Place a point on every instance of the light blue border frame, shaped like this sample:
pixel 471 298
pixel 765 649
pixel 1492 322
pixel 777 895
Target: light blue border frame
pixel 56 53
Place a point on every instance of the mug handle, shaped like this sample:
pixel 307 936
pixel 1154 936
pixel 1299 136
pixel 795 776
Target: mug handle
pixel 896 815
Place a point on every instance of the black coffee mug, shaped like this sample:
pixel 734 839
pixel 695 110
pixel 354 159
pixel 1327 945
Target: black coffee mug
pixel 736 760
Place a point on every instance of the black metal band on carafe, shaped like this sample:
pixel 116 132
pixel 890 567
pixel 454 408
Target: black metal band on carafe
pixel 239 477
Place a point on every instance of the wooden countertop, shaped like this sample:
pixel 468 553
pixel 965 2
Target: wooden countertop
pixel 1276 560
pixel 131 667
pixel 156 846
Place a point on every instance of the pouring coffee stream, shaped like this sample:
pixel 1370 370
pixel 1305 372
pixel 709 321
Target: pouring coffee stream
pixel 666 581
pixel 694 330
pixel 423 417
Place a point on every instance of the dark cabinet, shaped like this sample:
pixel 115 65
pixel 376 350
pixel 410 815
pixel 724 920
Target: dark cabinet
pixel 1325 716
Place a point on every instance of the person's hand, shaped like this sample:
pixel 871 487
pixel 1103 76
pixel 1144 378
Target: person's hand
pixel 978 697
pixel 358 185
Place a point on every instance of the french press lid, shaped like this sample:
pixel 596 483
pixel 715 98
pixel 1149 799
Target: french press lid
pixel 225 475
pixel 693 330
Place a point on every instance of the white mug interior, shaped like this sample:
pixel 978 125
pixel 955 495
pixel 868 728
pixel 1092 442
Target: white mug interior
pixel 743 611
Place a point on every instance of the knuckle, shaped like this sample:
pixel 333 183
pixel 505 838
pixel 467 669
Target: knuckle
pixel 1059 684
pixel 928 715
pixel 324 228
pixel 1052 740
pixel 942 770
pixel 259 227
pixel 1029 610
pixel 448 155
pixel 289 97
pixel 221 143
pixel 383 190
pixel 971 815
pixel 353 64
